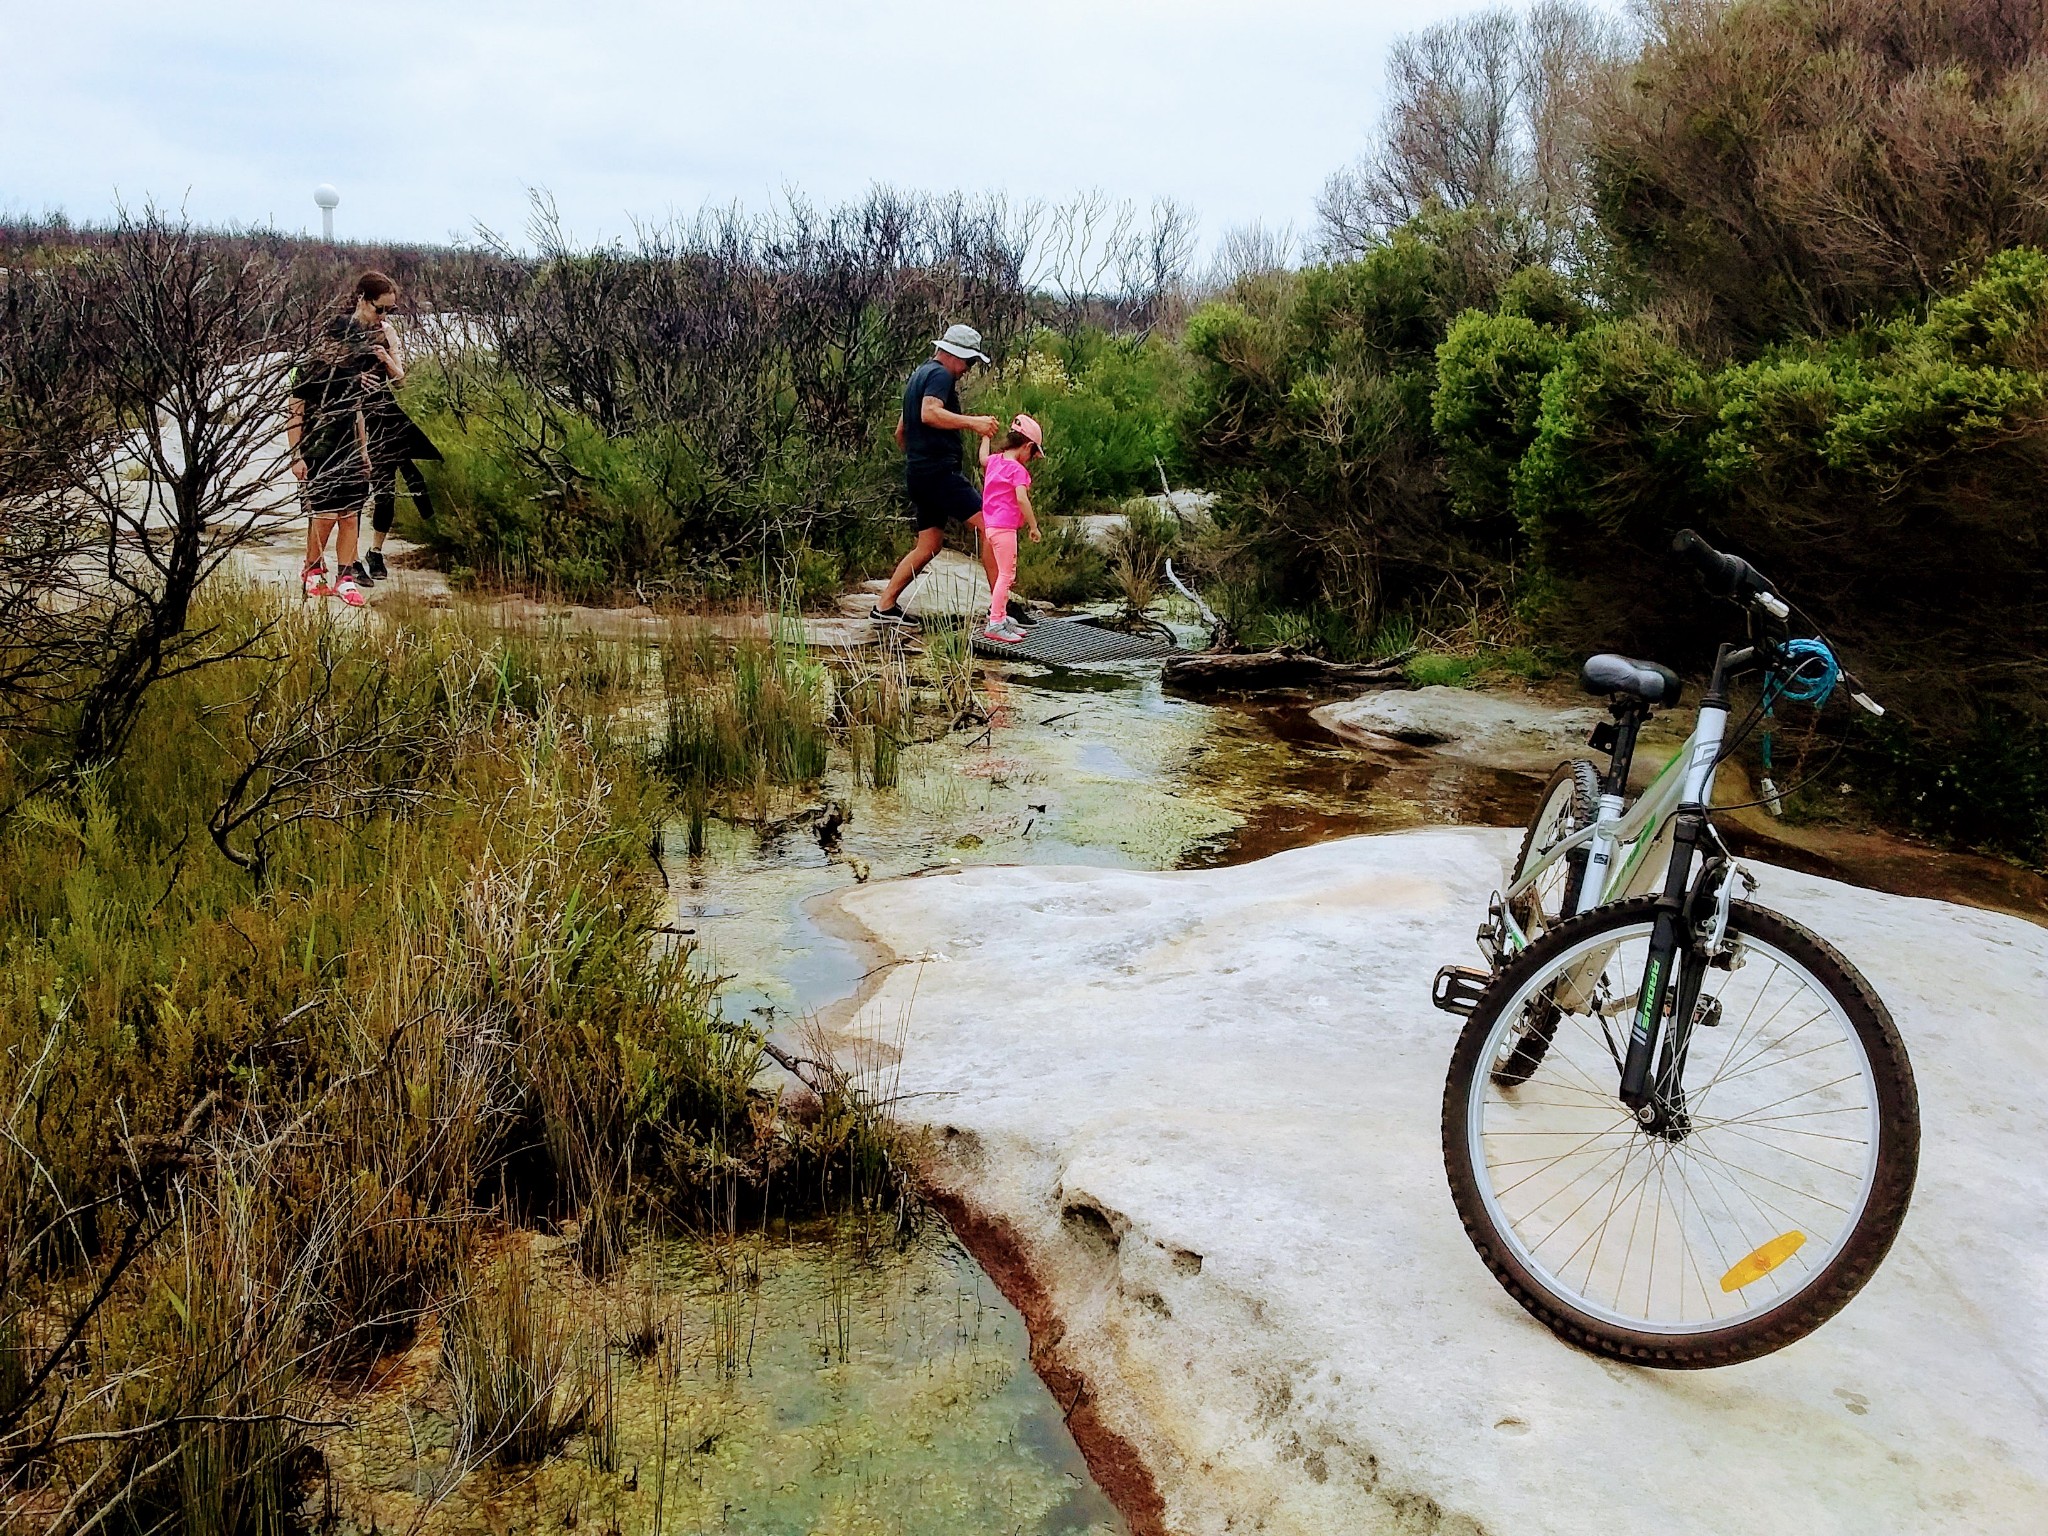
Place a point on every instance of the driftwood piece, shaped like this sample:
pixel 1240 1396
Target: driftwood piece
pixel 1262 671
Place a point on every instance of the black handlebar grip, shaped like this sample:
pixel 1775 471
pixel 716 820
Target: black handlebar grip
pixel 1725 575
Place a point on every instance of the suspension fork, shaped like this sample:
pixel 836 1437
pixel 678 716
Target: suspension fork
pixel 1662 990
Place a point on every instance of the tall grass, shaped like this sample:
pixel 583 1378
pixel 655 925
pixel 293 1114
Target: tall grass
pixel 741 719
pixel 505 1346
pixel 262 1120
pixel 1138 550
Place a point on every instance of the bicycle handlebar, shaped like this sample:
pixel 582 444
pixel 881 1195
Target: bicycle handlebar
pixel 1728 575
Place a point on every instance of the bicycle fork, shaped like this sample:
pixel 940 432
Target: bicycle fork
pixel 1671 976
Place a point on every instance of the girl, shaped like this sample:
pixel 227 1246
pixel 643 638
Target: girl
pixel 1006 507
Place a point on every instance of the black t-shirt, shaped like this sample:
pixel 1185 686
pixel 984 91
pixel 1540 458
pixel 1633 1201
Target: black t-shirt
pixel 331 382
pixel 930 447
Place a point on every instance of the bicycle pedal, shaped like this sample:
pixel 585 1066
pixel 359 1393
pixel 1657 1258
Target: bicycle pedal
pixel 1458 988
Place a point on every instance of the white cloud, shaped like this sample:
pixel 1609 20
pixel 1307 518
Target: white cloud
pixel 431 117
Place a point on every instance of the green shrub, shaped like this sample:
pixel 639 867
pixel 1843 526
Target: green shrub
pixel 1489 393
pixel 1311 417
pixel 1109 408
pixel 1436 669
pixel 543 496
pixel 1063 567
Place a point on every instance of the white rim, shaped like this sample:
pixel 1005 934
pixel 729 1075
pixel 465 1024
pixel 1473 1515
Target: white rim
pixel 1763 1162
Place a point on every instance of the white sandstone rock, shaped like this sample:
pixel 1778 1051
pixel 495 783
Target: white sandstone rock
pixel 1498 730
pixel 1208 1104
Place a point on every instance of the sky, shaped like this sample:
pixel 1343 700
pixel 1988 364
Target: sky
pixel 433 117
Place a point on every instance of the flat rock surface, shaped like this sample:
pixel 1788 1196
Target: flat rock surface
pixel 1499 730
pixel 1207 1103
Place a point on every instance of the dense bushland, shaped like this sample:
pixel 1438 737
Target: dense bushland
pixel 711 409
pixel 1799 306
pixel 711 403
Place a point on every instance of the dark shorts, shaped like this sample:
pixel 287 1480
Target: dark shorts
pixel 332 495
pixel 939 497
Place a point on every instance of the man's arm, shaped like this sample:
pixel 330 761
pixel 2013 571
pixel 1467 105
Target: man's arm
pixel 933 414
pixel 899 432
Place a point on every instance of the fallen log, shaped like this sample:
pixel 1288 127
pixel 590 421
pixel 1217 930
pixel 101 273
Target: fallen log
pixel 1285 667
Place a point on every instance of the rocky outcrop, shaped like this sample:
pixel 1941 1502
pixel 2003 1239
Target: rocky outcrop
pixel 1205 1107
pixel 1490 728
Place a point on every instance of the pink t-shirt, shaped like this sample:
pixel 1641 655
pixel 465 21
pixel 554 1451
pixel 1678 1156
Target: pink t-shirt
pixel 1001 480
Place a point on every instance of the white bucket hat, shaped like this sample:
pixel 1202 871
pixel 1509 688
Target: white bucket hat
pixel 962 341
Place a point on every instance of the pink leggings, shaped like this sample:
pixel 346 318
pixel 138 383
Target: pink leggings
pixel 1003 541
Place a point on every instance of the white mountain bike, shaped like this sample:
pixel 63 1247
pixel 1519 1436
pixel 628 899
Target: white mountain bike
pixel 1680 1129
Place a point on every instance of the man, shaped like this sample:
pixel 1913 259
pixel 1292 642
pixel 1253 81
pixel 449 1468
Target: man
pixel 396 443
pixel 928 432
pixel 329 440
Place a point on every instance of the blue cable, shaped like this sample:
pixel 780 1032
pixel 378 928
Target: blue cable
pixel 1804 682
pixel 1810 679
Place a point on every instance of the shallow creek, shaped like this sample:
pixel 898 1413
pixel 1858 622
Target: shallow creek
pixel 1076 767
pixel 1096 766
pixel 818 1379
pixel 791 1381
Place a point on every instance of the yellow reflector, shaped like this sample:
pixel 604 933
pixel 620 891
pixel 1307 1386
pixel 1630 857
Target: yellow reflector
pixel 1763 1261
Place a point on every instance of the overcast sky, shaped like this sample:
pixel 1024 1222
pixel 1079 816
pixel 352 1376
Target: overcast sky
pixel 435 115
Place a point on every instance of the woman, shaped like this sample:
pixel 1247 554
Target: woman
pixel 328 436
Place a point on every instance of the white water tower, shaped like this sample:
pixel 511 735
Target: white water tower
pixel 329 200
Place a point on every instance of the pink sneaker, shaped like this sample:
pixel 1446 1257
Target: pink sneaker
pixel 347 590
pixel 314 579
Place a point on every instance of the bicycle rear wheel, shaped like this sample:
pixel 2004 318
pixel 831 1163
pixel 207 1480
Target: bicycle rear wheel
pixel 1570 803
pixel 1764 1198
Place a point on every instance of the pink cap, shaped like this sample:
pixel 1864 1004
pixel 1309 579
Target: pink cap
pixel 1030 429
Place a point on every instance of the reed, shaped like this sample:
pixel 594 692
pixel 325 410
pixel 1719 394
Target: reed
pixel 506 1351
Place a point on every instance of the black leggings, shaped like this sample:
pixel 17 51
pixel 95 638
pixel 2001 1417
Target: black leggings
pixel 384 500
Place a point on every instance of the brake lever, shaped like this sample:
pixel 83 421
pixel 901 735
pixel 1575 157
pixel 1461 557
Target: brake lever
pixel 1859 698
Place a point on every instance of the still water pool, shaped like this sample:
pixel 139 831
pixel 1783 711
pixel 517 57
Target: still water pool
pixel 798 1381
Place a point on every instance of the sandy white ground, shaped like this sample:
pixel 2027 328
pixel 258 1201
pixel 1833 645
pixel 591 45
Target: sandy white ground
pixel 1208 1103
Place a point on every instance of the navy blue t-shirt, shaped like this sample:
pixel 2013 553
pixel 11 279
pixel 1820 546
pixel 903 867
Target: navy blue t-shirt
pixel 925 447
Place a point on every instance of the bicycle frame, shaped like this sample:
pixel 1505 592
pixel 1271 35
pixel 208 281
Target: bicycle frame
pixel 1641 832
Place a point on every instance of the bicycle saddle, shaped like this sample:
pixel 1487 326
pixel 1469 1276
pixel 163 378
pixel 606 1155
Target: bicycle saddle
pixel 1645 680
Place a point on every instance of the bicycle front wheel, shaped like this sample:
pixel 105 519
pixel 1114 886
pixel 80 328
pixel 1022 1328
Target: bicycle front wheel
pixel 1766 1191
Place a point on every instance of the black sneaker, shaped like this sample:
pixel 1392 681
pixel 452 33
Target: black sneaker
pixel 362 576
pixel 883 615
pixel 1022 617
pixel 373 565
